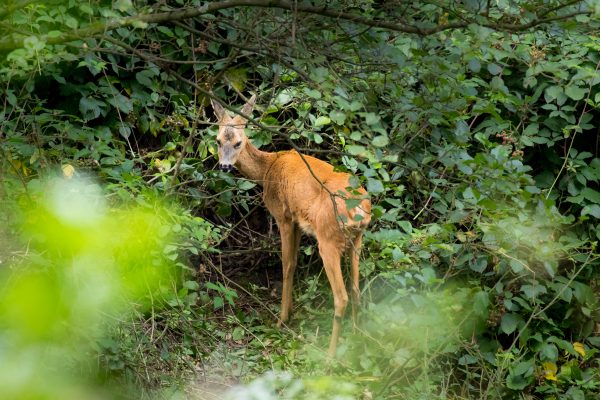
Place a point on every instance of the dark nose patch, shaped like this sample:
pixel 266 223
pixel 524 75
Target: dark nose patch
pixel 226 167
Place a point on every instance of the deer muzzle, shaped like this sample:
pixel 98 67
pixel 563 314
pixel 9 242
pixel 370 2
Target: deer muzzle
pixel 226 167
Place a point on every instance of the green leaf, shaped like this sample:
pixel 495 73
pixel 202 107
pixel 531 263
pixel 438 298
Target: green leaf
pixel 552 93
pixel 594 341
pixel 123 5
pixel 494 69
pixel 470 195
pixel 592 209
pixel 122 103
pixel 575 92
pixel 583 293
pixel 549 352
pixel 312 93
pixel 246 185
pixel 71 22
pixel 591 195
pixel 192 285
pixel 521 375
pixel 90 108
pixel 356 150
pixel 218 302
pixel 167 31
pixel 516 382
pixel 575 393
pixel 406 226
pixel 533 291
pixel 33 43
pixel 238 333
pixel 478 264
pixel 462 131
pixel 351 203
pixel 531 129
pixel 145 77
pixel 54 34
pixel 380 141
pixel 481 302
pixel 284 97
pixel 86 9
pixel 372 118
pixel 11 98
pixel 474 65
pixel 509 323
pixel 236 78
pixel 337 116
pixel 322 120
pixel 124 130
pixel 374 186
pixel 524 368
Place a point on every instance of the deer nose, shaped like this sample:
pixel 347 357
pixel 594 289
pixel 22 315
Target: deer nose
pixel 226 167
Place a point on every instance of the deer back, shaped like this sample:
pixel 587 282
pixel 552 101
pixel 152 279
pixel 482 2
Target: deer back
pixel 309 192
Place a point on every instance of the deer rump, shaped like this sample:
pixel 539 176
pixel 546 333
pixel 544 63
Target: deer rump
pixel 291 192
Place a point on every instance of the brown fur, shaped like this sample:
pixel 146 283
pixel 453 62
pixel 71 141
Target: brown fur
pixel 301 197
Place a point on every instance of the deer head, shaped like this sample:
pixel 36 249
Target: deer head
pixel 231 138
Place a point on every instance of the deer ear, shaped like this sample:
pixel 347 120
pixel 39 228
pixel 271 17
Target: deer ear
pixel 249 106
pixel 218 108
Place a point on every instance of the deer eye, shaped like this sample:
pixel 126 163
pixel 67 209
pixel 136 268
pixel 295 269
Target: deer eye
pixel 237 145
pixel 218 143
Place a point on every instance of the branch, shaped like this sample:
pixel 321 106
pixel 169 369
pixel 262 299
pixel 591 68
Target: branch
pixel 243 46
pixel 9 44
pixel 559 7
pixel 535 22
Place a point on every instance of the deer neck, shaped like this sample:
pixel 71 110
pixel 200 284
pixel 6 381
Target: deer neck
pixel 253 163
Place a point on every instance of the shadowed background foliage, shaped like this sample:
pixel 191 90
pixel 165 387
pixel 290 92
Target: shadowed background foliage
pixel 129 261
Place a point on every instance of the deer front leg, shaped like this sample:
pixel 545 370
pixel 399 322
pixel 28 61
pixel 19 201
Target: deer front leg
pixel 290 241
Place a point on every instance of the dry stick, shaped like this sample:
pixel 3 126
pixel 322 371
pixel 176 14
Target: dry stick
pixel 151 58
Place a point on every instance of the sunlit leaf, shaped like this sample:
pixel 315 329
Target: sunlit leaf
pixel 322 120
pixel 579 348
pixel 68 170
pixel 549 369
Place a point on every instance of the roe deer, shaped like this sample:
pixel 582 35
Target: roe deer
pixel 302 193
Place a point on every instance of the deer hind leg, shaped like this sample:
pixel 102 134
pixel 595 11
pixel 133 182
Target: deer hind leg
pixel 331 254
pixel 290 242
pixel 355 275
